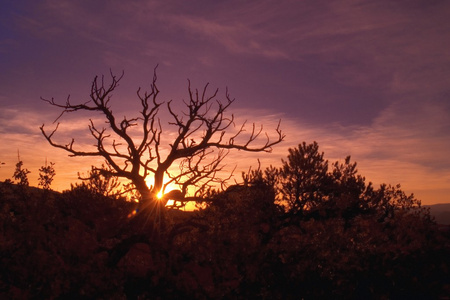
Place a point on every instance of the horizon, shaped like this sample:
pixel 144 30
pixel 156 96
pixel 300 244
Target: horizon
pixel 364 79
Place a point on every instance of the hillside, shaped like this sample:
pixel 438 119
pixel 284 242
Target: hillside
pixel 441 213
pixel 80 245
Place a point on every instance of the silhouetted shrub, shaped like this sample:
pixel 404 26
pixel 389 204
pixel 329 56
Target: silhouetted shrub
pixel 356 242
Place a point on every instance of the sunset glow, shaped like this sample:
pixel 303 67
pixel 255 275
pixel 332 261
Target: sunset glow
pixel 345 75
pixel 272 149
pixel 166 187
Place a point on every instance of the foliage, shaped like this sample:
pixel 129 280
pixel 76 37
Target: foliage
pixel 100 182
pixel 46 175
pixel 358 242
pixel 21 174
pixel 303 177
pixel 49 246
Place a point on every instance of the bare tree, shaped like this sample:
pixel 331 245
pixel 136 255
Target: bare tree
pixel 205 134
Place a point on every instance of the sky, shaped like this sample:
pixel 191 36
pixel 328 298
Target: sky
pixel 370 79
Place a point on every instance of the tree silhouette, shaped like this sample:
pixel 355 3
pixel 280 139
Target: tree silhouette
pixel 100 182
pixel 204 136
pixel 46 175
pixel 358 243
pixel 20 173
pixel 303 177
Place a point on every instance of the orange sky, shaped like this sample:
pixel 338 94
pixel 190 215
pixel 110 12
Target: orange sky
pixel 370 79
pixel 428 186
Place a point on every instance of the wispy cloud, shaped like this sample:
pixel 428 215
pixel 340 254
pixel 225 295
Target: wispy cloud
pixel 360 43
pixel 410 149
pixel 364 78
pixel 237 38
pixel 394 149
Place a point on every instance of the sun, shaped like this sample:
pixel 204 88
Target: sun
pixel 160 194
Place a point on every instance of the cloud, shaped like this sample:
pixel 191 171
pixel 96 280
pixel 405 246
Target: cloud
pixel 236 38
pixel 404 147
pixel 364 78
pixel 410 149
pixel 12 120
pixel 372 44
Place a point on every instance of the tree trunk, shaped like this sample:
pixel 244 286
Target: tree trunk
pixel 150 208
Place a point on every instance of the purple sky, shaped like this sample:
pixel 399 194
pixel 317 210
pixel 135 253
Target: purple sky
pixel 370 79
